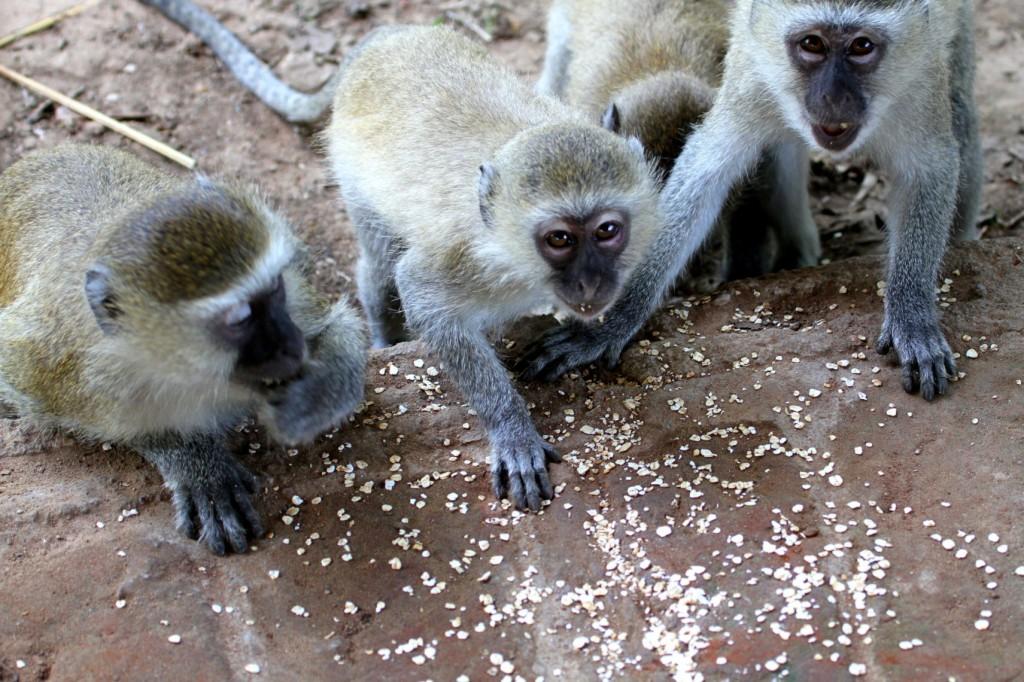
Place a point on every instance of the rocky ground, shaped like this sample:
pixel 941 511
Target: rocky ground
pixel 752 494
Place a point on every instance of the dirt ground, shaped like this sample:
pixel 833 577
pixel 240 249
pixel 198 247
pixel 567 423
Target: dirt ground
pixel 752 495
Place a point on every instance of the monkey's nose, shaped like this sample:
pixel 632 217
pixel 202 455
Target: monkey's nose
pixel 587 289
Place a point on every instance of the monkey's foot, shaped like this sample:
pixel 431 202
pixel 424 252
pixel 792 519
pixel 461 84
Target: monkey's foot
pixel 569 346
pixel 925 357
pixel 519 470
pixel 218 510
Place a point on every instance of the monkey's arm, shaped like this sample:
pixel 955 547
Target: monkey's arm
pixel 332 380
pixel 921 212
pixel 212 491
pixel 519 456
pixel 293 106
pixel 714 159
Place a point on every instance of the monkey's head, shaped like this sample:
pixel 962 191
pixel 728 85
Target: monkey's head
pixel 571 209
pixel 194 285
pixel 660 111
pixel 836 67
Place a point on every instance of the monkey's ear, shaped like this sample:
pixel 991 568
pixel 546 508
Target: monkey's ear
pixel 101 298
pixel 637 146
pixel 487 185
pixel 612 119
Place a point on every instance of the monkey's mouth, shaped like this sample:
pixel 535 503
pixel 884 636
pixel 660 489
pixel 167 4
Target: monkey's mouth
pixel 835 137
pixel 586 310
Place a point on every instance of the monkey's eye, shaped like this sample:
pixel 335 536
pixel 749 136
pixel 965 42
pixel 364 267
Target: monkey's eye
pixel 862 47
pixel 813 44
pixel 559 239
pixel 608 230
pixel 238 314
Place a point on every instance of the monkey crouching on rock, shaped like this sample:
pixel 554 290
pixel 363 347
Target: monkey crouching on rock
pixel 889 81
pixel 651 69
pixel 477 203
pixel 155 311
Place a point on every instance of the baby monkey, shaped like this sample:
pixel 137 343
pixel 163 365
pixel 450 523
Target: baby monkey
pixel 157 311
pixel 651 69
pixel 477 203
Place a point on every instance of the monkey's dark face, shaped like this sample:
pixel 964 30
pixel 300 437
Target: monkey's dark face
pixel 269 345
pixel 836 64
pixel 583 255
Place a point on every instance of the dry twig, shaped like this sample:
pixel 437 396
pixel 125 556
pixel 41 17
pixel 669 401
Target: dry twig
pixel 48 22
pixel 89 112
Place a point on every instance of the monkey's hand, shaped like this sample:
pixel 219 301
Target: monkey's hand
pixel 212 495
pixel 572 345
pixel 519 465
pixel 325 393
pixel 925 357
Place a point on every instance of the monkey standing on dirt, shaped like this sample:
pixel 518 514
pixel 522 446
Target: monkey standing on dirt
pixel 651 68
pixel 887 80
pixel 476 203
pixel 156 311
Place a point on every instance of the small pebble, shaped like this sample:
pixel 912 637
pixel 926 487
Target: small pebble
pixel 664 531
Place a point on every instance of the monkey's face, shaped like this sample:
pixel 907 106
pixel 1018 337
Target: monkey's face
pixel 583 255
pixel 269 347
pixel 835 64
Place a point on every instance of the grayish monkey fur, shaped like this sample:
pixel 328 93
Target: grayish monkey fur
pixel 290 104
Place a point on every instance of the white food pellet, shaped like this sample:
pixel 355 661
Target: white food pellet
pixel 120 604
pixel 664 531
pixel 298 610
pixel 858 669
pixel 1019 571
pixel 252 668
pixel 174 639
pixel 971 353
pixel 981 624
pixel 580 642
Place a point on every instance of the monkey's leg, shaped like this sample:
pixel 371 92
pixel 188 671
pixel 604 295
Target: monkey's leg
pixel 788 206
pixel 750 236
pixel 714 160
pixel 965 126
pixel 375 277
pixel 331 385
pixel 212 491
pixel 519 456
pixel 921 213
pixel 552 79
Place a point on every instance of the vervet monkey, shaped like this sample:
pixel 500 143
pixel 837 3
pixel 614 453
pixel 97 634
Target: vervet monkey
pixel 477 203
pixel 651 69
pixel 156 311
pixel 889 81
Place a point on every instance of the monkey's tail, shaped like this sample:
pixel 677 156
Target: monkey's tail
pixel 292 105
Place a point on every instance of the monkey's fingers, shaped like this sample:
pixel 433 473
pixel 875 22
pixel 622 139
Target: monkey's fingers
pixel 547 492
pixel 212 534
pixel 243 503
pixel 950 363
pixel 231 524
pixel 536 362
pixel 884 343
pixel 552 454
pixel 185 514
pixel 517 489
pixel 499 478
